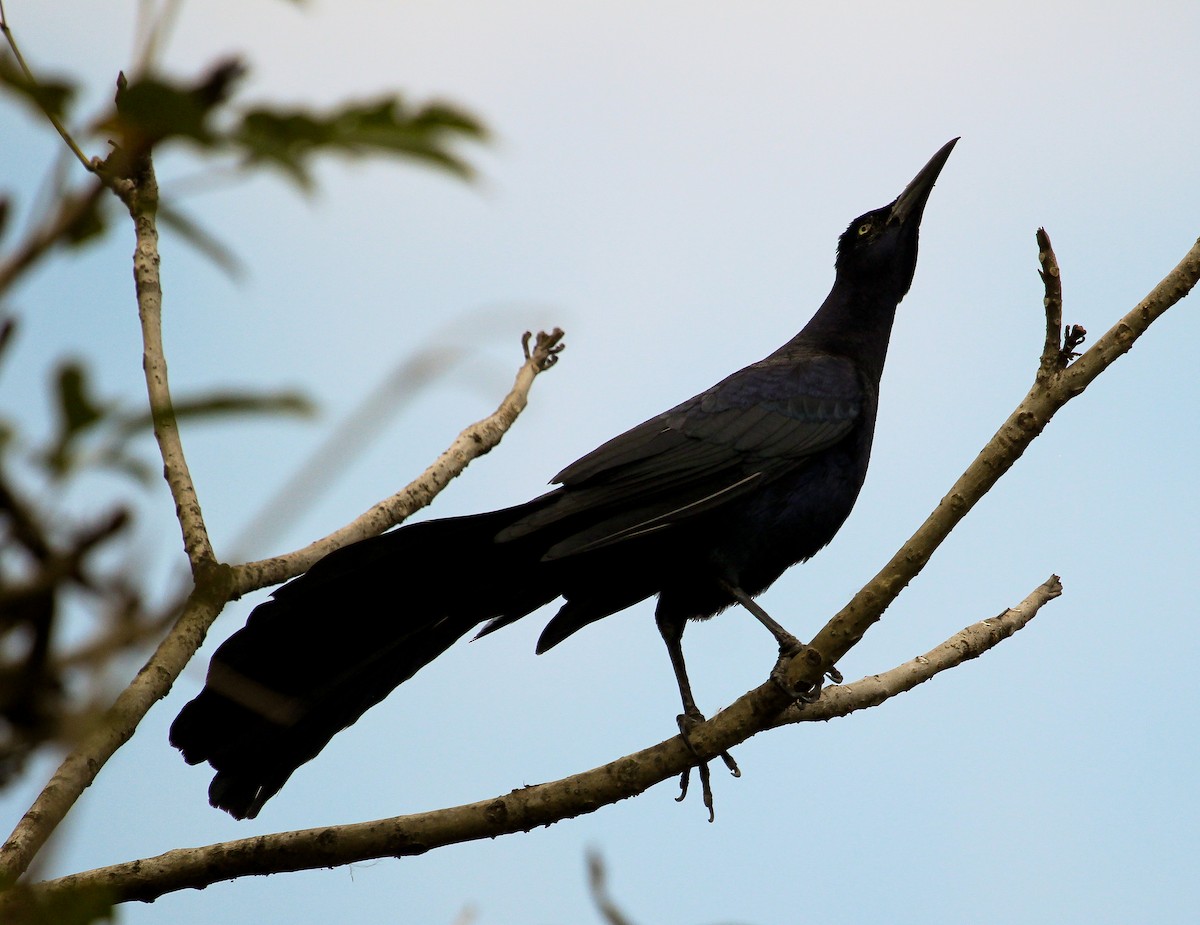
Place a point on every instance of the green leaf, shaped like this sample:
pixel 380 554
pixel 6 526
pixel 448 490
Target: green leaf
pixel 77 412
pixel 223 404
pixel 206 243
pixel 152 109
pixel 89 224
pixel 46 96
pixel 289 139
pixel 82 906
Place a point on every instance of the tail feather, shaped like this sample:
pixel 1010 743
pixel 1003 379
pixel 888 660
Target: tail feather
pixel 336 641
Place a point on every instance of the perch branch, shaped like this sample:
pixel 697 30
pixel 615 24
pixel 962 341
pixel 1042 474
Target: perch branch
pixel 518 811
pixel 1045 398
pixel 971 642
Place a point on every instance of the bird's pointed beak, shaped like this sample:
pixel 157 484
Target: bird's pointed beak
pixel 911 203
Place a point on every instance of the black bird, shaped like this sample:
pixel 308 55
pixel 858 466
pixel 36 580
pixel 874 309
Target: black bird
pixel 704 506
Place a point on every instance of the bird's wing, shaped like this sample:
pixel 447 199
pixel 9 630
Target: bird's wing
pixel 702 454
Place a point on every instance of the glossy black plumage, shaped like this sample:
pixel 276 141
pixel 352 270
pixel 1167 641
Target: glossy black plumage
pixel 705 504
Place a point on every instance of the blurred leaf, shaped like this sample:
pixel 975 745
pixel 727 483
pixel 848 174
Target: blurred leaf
pixel 115 457
pixel 153 109
pixel 75 404
pixel 50 96
pixel 8 327
pixel 289 139
pixel 223 404
pixel 74 907
pixel 205 243
pixel 77 412
pixel 88 224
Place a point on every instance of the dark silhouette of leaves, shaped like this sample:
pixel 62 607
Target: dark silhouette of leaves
pixel 45 96
pixel 290 139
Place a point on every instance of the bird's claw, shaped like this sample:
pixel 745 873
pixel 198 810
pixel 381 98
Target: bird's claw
pixel 687 722
pixel 808 693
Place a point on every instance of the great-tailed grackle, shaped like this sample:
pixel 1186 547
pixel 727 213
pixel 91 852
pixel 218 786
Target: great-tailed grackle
pixel 704 506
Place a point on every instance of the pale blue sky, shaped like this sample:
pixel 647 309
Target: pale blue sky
pixel 667 182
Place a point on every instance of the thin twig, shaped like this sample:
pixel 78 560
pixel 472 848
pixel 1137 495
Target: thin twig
pixel 972 642
pixel 54 120
pixel 476 440
pixel 1045 398
pixel 154 32
pixel 143 206
pixel 598 887
pixel 1052 281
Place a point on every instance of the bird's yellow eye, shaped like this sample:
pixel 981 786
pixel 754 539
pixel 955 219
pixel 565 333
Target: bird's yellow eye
pixel 864 228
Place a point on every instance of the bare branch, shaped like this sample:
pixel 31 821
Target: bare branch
pixel 54 120
pixel 1045 398
pixel 528 807
pixel 143 206
pixel 1052 354
pixel 1121 336
pixel 971 642
pixel 476 440
pixel 598 887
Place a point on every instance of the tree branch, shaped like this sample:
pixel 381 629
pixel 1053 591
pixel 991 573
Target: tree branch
pixel 475 441
pixel 1047 395
pixel 143 207
pixel 1052 352
pixel 971 642
pixel 28 72
pixel 528 807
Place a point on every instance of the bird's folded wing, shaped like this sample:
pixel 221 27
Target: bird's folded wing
pixel 762 421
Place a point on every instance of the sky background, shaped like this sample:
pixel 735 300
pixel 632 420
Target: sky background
pixel 667 182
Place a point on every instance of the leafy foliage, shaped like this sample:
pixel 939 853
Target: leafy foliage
pixel 152 110
pixel 44 555
pixel 45 96
pixel 290 139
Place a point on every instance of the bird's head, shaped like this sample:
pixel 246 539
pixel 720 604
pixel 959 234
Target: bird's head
pixel 880 247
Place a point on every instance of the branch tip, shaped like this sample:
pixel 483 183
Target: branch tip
pixel 545 351
pixel 1052 360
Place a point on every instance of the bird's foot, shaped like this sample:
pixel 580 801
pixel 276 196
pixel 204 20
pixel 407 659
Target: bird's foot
pixel 809 693
pixel 687 722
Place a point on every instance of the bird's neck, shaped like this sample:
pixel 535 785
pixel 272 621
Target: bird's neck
pixel 854 323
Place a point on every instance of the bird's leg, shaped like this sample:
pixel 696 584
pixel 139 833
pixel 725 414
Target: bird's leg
pixel 789 645
pixel 691 717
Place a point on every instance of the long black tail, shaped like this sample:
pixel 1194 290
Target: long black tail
pixel 337 640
